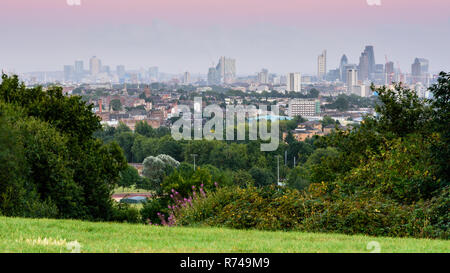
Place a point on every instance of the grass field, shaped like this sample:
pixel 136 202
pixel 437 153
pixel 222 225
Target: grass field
pixel 43 235
pixel 131 189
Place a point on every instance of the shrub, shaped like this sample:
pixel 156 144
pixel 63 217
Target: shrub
pixel 125 213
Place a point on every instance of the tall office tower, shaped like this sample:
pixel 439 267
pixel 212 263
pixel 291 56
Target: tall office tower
pixel 263 76
pixel 186 77
pixel 322 66
pixel 347 67
pixel 69 73
pixel 154 73
pixel 389 71
pixel 79 70
pixel 294 82
pixel 95 65
pixel 226 70
pixel 344 61
pixel 120 71
pixel 367 64
pixel 352 77
pixel 363 67
pixel 212 76
pixel 106 69
pixel 419 70
pixel 379 75
pixel 79 67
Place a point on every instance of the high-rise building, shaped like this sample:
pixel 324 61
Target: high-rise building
pixel 154 73
pixel 120 71
pixel 186 77
pixel 212 77
pixel 419 70
pixel 263 76
pixel 294 82
pixel 344 61
pixel 346 68
pixel 352 77
pixel 69 73
pixel 379 76
pixel 363 67
pixel 79 67
pixel 367 64
pixel 322 65
pixel 106 69
pixel 95 65
pixel 389 71
pixel 226 70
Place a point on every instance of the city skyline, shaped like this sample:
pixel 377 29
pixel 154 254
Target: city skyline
pixel 282 36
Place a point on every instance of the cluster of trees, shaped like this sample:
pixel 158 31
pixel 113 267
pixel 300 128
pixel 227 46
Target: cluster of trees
pixel 345 102
pixel 51 165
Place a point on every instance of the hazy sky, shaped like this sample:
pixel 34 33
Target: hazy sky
pixel 180 35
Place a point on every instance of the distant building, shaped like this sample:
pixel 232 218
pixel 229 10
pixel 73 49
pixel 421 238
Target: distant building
pixel 120 70
pixel 419 71
pixel 342 71
pixel 95 66
pixel 322 65
pixel 154 73
pixel 263 76
pixel 352 77
pixel 212 76
pixel 186 77
pixel 363 73
pixel 304 107
pixel 69 73
pixel 389 72
pixel 79 67
pixel 294 82
pixel 226 70
pixel 333 75
pixel 367 64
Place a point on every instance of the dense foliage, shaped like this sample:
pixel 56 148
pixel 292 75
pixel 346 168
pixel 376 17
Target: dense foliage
pixel 387 177
pixel 51 165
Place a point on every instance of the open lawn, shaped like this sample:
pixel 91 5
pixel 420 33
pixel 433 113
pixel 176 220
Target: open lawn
pixel 44 235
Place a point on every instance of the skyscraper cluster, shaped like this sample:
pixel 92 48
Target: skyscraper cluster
pixel 224 72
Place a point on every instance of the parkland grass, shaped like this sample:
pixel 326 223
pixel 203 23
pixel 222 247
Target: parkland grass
pixel 44 235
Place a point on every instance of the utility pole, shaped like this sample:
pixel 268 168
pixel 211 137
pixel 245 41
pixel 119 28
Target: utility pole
pixel 194 155
pixel 294 161
pixel 285 158
pixel 278 169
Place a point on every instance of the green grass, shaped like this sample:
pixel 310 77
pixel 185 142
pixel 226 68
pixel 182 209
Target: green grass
pixel 131 189
pixel 27 235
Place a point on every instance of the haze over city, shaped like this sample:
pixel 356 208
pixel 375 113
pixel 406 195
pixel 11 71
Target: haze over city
pixel 177 36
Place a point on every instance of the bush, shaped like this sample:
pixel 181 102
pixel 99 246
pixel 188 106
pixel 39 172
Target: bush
pixel 125 213
pixel 149 212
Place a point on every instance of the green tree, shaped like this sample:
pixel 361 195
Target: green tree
pixel 262 177
pixel 126 141
pixel 298 178
pixel 144 129
pixel 401 111
pixel 67 157
pixel 129 177
pixel 116 105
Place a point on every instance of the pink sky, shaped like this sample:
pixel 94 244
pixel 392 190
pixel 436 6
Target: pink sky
pixel 180 35
pixel 318 12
